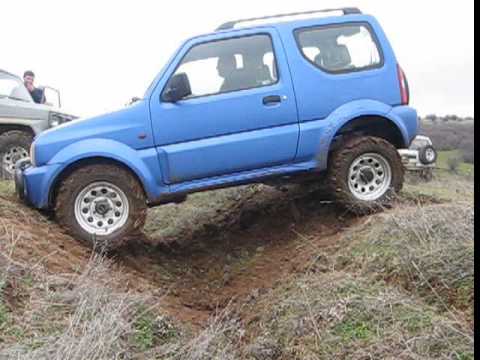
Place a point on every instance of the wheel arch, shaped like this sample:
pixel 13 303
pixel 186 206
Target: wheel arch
pixel 366 117
pixel 143 164
pixel 75 165
pixel 4 128
pixel 373 125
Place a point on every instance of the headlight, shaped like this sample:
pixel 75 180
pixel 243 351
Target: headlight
pixel 32 154
pixel 55 119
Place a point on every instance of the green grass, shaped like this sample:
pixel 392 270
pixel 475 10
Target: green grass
pixel 444 156
pixel 352 329
pixel 152 330
pixel 6 187
pixel 341 315
pixel 145 331
pixel 3 309
pixel 3 316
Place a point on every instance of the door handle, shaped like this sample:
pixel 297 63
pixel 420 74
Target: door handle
pixel 272 100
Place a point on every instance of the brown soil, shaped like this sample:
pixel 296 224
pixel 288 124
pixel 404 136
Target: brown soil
pixel 226 266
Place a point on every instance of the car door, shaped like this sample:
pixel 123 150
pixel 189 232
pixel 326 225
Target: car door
pixel 241 114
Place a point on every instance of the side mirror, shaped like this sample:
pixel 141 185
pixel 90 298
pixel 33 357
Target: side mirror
pixel 178 88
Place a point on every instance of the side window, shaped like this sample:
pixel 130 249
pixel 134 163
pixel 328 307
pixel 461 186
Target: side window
pixel 342 48
pixel 230 65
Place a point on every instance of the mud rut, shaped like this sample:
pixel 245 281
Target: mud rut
pixel 252 245
pixel 259 244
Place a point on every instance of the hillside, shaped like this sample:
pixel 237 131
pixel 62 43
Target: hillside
pixel 248 273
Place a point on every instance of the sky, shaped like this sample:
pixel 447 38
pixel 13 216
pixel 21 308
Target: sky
pixel 100 54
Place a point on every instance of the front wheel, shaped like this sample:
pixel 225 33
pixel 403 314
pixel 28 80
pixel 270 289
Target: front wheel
pixel 14 146
pixel 365 174
pixel 102 205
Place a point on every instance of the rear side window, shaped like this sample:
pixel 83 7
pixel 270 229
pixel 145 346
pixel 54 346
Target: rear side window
pixel 340 48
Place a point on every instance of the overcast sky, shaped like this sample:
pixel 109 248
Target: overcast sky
pixel 102 53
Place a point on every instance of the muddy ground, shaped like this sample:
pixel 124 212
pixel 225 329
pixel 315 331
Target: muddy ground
pixel 215 250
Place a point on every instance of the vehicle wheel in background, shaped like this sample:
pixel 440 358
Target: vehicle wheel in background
pixel 14 146
pixel 365 174
pixel 102 205
pixel 427 155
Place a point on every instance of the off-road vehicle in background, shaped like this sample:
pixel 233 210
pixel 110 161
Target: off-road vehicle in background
pixel 281 98
pixel 21 119
pixel 421 157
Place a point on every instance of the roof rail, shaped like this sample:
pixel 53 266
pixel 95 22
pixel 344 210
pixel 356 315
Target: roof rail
pixel 231 24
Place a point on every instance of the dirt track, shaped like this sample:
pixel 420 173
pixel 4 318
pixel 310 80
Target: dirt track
pixel 207 273
pixel 251 245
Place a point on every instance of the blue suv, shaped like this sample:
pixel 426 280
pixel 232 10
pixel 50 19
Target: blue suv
pixel 290 97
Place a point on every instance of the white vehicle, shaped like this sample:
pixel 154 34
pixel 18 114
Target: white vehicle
pixel 21 119
pixel 421 157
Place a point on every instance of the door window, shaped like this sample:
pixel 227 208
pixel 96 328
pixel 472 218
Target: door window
pixel 230 65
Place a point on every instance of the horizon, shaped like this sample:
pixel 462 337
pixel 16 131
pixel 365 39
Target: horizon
pixel 88 50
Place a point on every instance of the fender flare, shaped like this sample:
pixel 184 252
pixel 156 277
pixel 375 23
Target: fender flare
pixel 106 149
pixel 34 127
pixel 349 112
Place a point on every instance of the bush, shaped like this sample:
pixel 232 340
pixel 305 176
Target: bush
pixel 449 135
pixel 467 148
pixel 453 164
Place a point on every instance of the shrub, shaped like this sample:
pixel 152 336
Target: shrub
pixel 453 163
pixel 430 251
pixel 467 147
pixel 449 135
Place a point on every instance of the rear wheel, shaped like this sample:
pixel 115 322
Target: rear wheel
pixel 14 146
pixel 365 174
pixel 102 205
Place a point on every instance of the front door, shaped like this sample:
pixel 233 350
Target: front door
pixel 241 114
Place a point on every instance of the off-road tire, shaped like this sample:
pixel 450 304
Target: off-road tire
pixel 72 186
pixel 339 165
pixel 9 140
pixel 422 155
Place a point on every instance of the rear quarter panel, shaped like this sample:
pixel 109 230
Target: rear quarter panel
pixel 320 93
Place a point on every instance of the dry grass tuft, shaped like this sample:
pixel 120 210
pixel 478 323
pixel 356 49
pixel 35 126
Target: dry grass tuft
pixel 338 315
pixel 81 317
pixel 429 250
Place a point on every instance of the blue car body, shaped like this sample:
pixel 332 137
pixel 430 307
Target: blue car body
pixel 230 138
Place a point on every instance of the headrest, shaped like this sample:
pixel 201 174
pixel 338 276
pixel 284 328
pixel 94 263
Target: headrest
pixel 226 64
pixel 335 57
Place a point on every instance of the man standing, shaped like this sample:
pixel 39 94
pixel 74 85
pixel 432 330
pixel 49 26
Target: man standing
pixel 37 94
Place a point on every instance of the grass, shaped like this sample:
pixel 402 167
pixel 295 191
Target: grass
pixel 428 250
pixel 399 286
pixel 464 169
pixel 3 316
pixel 341 315
pixel 6 187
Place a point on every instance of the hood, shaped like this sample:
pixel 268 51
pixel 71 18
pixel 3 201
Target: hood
pixel 123 126
pixel 23 110
pixel 14 109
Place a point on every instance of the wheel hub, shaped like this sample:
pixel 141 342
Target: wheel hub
pixel 430 155
pixel 369 177
pixel 101 208
pixel 11 156
pixel 366 175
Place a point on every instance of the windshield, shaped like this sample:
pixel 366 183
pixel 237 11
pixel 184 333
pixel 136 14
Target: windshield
pixel 12 87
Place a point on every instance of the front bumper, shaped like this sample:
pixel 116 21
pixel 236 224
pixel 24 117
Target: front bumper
pixel 32 184
pixel 20 183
